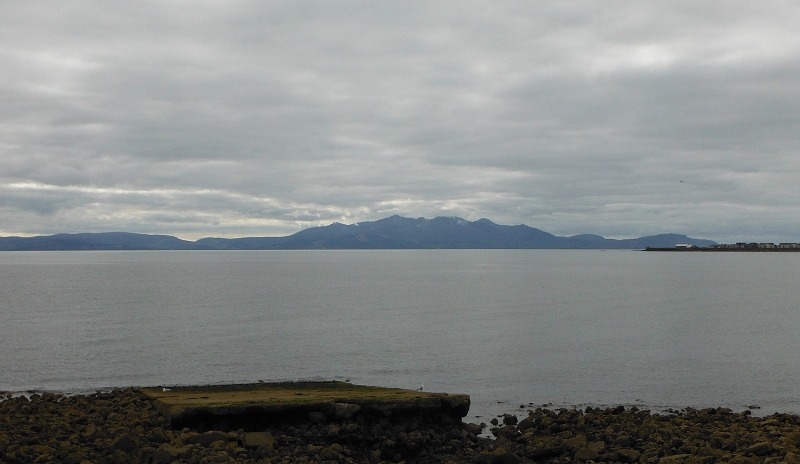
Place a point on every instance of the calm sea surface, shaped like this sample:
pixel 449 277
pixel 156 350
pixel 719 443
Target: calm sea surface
pixel 567 327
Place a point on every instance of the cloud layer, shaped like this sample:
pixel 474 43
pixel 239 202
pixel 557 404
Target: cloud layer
pixel 241 118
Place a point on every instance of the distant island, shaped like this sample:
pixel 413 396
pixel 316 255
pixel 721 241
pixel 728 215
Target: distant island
pixel 394 232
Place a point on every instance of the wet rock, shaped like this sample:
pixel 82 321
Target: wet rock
pixel 499 456
pixel 256 439
pixel 760 449
pixel 505 458
pixel 793 439
pixel 157 435
pixel 576 442
pixel 207 438
pixel 330 453
pixel 475 429
pixel 625 441
pixel 191 438
pixel 627 455
pixel 218 444
pixel 90 433
pixel 508 432
pixel 739 459
pixel 729 445
pixel 544 447
pixel 586 454
pixel 525 424
pixel 674 459
pixel 124 443
pixel 509 419
pixel 791 458
pixel 165 454
pixel 187 451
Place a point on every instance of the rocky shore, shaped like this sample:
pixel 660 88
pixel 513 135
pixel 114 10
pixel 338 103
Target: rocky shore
pixel 123 426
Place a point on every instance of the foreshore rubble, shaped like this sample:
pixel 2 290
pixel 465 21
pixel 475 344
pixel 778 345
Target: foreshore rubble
pixel 123 426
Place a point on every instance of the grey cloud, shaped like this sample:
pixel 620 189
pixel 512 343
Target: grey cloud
pixel 260 118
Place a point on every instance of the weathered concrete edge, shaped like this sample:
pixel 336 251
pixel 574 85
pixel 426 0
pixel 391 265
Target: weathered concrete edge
pixel 452 405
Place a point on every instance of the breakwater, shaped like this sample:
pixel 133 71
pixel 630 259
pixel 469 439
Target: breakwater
pixel 260 405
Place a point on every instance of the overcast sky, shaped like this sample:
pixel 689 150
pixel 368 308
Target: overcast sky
pixel 259 118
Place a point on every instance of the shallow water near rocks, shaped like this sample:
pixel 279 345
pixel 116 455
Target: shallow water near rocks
pixel 508 327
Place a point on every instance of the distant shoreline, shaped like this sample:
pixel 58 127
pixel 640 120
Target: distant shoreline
pixel 726 250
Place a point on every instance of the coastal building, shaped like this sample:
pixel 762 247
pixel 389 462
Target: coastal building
pixel 736 246
pixel 739 246
pixel 756 246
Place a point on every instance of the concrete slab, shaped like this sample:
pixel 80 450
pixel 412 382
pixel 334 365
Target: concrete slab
pixel 251 405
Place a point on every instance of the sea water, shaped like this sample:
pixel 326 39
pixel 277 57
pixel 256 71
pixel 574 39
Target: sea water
pixel 508 327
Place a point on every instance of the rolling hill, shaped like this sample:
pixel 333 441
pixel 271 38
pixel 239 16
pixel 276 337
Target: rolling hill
pixel 394 232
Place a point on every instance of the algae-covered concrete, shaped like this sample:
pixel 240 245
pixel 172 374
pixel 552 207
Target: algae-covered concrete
pixel 255 404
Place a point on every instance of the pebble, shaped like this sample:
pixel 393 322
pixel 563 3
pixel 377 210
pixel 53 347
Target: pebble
pixel 122 426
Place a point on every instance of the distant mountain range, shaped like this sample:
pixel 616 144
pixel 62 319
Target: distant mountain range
pixel 394 232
